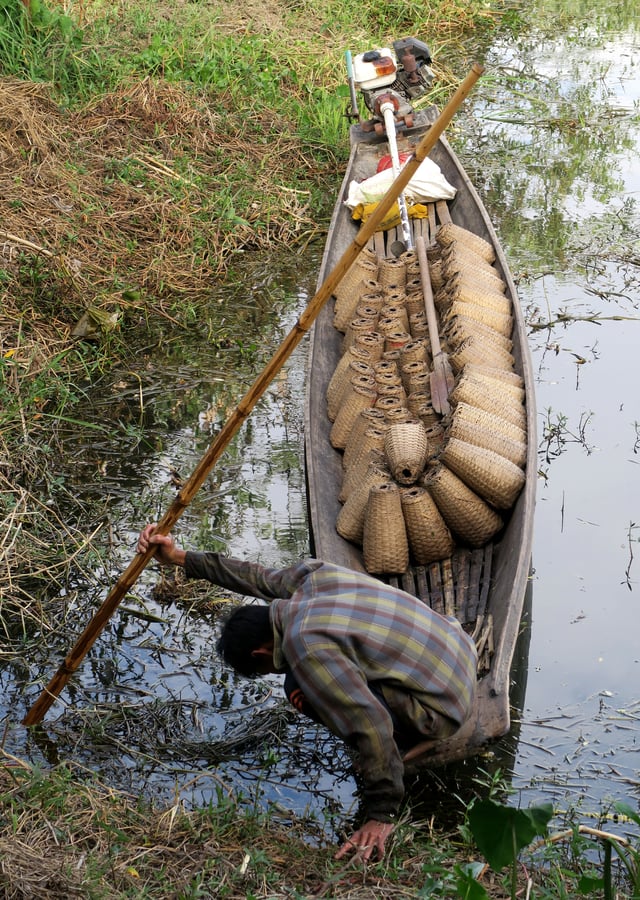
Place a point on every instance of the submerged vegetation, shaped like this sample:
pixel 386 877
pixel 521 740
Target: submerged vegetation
pixel 142 148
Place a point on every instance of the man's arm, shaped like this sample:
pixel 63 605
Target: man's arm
pixel 240 576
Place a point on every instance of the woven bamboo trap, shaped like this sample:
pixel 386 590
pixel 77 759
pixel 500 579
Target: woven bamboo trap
pixel 385 547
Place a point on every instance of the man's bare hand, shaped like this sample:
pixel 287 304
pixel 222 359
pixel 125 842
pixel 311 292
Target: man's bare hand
pixel 372 836
pixel 166 553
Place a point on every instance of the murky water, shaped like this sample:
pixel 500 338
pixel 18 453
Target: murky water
pixel 551 140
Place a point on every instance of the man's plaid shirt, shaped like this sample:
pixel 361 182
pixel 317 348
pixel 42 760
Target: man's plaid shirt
pixel 338 631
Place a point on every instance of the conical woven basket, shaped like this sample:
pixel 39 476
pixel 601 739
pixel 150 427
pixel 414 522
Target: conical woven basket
pixel 341 376
pixel 392 390
pixel 406 448
pixel 387 377
pixel 398 415
pixel 392 271
pixel 415 351
pixel 350 521
pixel 357 367
pixel 364 268
pixel 448 233
pixel 464 412
pixel 396 340
pixel 475 350
pixel 418 326
pixel 415 300
pixel 384 545
pixel 396 311
pixel 427 532
pixel 354 399
pixel 494 478
pixel 409 258
pixel 368 418
pixel 466 514
pixel 514 451
pixel 372 439
pixel 348 300
pixel 364 311
pixel 390 324
pixel 437 274
pixel 388 403
pixel 385 366
pixel 419 381
pixel 436 436
pixel 407 370
pixel 372 342
pixel 477 393
pixel 418 399
pixel 356 327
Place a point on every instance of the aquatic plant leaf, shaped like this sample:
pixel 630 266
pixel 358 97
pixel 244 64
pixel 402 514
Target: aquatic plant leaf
pixel 500 832
pixel 466 885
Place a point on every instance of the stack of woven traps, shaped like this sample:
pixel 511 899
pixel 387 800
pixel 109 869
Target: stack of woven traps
pixel 416 484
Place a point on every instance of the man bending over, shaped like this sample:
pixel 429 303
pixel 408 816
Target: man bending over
pixel 374 664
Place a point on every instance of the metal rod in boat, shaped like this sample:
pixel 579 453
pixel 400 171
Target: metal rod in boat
pixel 387 111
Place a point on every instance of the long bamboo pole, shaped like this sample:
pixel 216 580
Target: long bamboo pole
pixel 244 407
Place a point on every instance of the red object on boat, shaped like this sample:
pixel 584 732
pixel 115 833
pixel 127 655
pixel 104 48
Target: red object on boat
pixel 386 162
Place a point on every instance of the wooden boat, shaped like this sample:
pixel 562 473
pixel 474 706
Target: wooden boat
pixel 484 586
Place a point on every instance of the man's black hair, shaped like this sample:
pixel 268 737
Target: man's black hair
pixel 245 630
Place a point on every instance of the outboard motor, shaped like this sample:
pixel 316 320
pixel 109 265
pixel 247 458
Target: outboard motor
pixel 397 76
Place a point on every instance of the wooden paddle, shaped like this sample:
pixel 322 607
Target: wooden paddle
pixel 441 379
pixel 244 407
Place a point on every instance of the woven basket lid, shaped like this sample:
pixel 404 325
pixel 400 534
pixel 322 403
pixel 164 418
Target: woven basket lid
pixel 507 387
pixel 500 322
pixel 478 393
pixel 392 390
pixel 497 373
pixel 350 521
pixel 429 537
pixel 475 350
pixel 514 451
pixel 491 421
pixel 482 278
pixel 491 300
pixel 367 418
pixel 340 378
pixel 457 257
pixel 364 311
pixel 396 340
pixel 354 399
pixel 419 381
pixel 460 327
pixel 408 257
pixel 372 440
pixel 466 514
pixel 406 448
pixel 449 232
pixel 494 478
pixel 384 542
